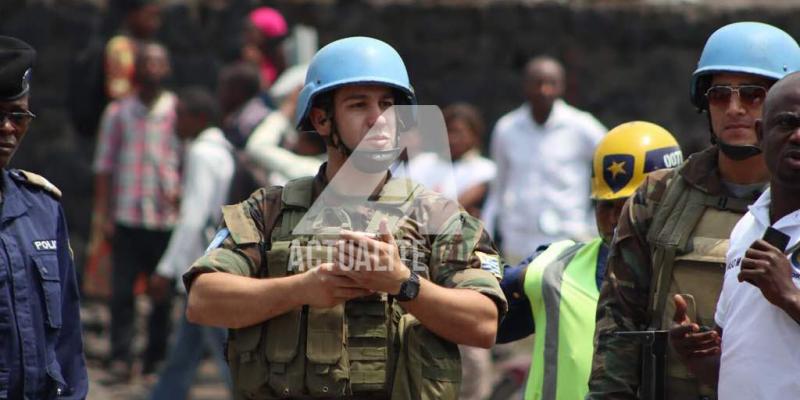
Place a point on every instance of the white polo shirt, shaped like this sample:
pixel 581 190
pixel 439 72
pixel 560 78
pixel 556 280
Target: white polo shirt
pixel 541 192
pixel 760 342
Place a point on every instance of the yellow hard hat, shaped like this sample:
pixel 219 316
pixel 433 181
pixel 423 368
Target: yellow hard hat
pixel 626 154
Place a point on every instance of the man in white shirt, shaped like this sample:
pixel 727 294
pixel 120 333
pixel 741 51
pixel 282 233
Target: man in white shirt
pixel 543 151
pixel 758 313
pixel 208 170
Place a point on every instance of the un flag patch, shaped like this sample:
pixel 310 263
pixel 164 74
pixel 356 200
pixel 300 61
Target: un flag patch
pixel 218 239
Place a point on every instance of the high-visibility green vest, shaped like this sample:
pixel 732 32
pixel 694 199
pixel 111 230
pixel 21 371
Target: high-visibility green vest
pixel 561 287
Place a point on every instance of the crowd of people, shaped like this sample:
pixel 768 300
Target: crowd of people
pixel 325 247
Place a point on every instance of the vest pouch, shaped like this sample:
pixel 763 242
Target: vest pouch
pixel 327 373
pixel 441 366
pixel 367 341
pixel 697 273
pixel 700 271
pixel 698 276
pixel 429 367
pixel 284 338
pixel 249 368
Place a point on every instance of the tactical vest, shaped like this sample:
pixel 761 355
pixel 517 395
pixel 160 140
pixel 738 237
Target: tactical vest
pixel 689 236
pixel 346 350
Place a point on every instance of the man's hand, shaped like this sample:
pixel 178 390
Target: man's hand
pixel 328 285
pixel 158 287
pixel 373 263
pixel 687 339
pixel 768 269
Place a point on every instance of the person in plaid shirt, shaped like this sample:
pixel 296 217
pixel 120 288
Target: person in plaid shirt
pixel 137 187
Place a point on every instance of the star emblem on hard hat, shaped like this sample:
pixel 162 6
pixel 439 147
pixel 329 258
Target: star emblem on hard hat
pixel 617 168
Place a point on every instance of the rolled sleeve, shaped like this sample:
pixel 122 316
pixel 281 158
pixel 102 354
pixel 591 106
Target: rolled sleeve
pixel 219 260
pixel 469 260
pixel 483 282
pixel 239 245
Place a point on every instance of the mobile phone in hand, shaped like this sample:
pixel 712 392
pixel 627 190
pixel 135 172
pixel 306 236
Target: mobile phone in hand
pixel 776 238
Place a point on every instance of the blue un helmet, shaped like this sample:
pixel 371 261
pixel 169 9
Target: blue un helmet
pixel 350 61
pixel 743 47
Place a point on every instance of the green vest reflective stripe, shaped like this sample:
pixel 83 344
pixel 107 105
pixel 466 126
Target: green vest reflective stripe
pixel 561 287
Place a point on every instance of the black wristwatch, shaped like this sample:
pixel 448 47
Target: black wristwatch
pixel 409 289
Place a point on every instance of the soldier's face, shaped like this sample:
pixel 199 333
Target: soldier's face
pixel 733 120
pixel 607 214
pixel 12 130
pixel 361 117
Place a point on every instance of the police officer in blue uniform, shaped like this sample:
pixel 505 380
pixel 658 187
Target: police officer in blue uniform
pixel 41 351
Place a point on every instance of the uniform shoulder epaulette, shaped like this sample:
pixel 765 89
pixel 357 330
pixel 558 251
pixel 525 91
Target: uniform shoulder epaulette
pixel 38 181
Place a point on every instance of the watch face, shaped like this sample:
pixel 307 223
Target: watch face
pixel 410 288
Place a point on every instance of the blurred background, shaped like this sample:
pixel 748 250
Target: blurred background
pixel 624 60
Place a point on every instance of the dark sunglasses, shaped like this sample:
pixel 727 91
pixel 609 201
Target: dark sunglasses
pixel 749 95
pixel 17 118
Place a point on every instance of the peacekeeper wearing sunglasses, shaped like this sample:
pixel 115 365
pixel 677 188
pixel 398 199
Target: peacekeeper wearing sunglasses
pixel 666 261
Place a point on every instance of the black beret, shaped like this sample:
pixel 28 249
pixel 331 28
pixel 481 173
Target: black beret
pixel 16 61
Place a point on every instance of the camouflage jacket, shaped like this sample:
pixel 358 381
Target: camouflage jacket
pixel 626 291
pixel 461 257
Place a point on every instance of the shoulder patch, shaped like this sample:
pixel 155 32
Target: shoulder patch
pixel 490 263
pixel 221 235
pixel 40 182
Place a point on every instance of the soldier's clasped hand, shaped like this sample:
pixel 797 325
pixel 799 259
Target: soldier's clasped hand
pixel 374 263
pixel 329 285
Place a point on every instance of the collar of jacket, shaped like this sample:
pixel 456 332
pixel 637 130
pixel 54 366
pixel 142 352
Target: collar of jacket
pixel 701 171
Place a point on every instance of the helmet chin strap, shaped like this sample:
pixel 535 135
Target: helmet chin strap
pixel 367 161
pixel 737 152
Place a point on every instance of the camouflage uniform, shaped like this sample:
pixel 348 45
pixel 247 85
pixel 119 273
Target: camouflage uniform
pixel 627 299
pixel 463 257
